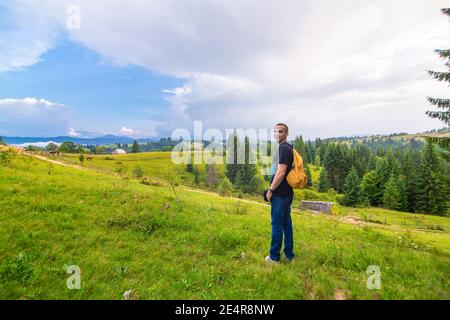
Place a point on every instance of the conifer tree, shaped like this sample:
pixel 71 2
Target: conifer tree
pixel 308 174
pixel 190 165
pixel 317 161
pixel 382 174
pixel 196 176
pixel 310 152
pixel 410 163
pixel 247 170
pixel 352 190
pixel 135 148
pixel 299 145
pixel 336 164
pixel 403 193
pixel 225 187
pixel 369 187
pixel 443 104
pixel 323 181
pixel 391 195
pixel 232 157
pixel 432 183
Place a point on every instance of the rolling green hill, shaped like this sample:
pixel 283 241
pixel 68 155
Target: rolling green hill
pixel 153 164
pixel 128 236
pixel 439 133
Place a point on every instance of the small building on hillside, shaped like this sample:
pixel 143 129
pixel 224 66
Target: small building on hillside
pixel 119 151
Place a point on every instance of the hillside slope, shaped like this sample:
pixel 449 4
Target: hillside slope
pixel 127 236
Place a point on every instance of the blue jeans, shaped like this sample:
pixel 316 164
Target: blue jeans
pixel 281 223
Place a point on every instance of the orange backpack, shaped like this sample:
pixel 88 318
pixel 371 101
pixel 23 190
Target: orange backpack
pixel 296 176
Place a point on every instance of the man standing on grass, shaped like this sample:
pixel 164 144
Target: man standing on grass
pixel 280 196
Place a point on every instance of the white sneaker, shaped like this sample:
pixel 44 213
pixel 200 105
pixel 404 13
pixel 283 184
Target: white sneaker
pixel 270 261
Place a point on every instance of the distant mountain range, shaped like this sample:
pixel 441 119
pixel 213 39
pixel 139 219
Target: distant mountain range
pixel 102 140
pixel 113 139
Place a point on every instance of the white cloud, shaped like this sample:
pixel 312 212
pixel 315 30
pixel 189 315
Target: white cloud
pixel 31 116
pixel 126 131
pixel 325 67
pixel 73 133
pixel 25 34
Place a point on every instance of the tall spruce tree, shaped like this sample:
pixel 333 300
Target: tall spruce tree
pixel 247 170
pixel 190 164
pixel 362 157
pixel 393 163
pixel 409 166
pixel 323 181
pixel 442 103
pixel 382 174
pixel 232 157
pixel 370 188
pixel 196 176
pixel 352 189
pixel 310 152
pixel 336 163
pixel 317 161
pixel 309 175
pixel 322 150
pixel 403 193
pixel 432 184
pixel 135 148
pixel 391 195
pixel 300 146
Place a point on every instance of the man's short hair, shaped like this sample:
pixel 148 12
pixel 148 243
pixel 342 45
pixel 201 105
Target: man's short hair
pixel 284 125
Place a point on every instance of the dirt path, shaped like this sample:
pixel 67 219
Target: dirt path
pixel 53 161
pixel 65 164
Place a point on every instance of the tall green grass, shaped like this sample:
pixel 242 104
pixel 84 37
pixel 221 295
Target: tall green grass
pixel 128 236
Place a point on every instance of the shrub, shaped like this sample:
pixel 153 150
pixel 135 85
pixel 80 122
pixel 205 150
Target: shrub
pixel 120 169
pixel 7 157
pixel 308 194
pixel 138 172
pixel 339 199
pixel 257 184
pixel 225 188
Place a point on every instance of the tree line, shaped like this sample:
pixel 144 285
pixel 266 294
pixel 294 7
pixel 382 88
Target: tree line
pixel 412 177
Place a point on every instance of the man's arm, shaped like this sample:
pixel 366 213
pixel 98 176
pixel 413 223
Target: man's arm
pixel 279 176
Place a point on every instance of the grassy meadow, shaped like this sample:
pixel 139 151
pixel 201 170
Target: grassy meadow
pixel 125 235
pixel 152 164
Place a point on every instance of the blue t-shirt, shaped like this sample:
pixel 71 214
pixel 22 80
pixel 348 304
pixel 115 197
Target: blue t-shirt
pixel 285 156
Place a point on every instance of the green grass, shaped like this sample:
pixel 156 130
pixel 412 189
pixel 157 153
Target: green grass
pixel 125 235
pixel 152 164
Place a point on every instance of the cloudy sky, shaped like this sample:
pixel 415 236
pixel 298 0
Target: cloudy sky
pixel 144 68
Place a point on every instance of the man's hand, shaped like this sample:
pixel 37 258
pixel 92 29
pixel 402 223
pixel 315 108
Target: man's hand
pixel 269 195
pixel 279 176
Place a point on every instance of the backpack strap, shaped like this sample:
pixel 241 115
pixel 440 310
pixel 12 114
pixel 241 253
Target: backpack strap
pixel 292 147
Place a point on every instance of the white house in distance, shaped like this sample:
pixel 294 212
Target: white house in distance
pixel 119 151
